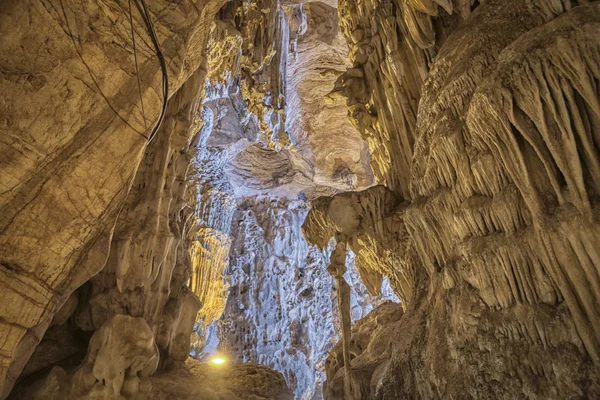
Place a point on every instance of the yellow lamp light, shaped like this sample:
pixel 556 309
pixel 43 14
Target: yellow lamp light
pixel 218 361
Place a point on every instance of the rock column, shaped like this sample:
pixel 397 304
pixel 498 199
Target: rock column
pixel 337 268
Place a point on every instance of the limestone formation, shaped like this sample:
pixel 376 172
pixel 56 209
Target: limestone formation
pixel 236 382
pixel 122 355
pixel 372 339
pixel 167 164
pixel 282 304
pixel 190 381
pixel 500 228
pixel 272 65
pixel 337 269
pixel 372 223
pixel 75 128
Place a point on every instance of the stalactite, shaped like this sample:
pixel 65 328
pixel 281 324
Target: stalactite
pixel 541 95
pixel 500 211
pixel 372 220
pixel 391 44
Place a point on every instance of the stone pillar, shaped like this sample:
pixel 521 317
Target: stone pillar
pixel 337 268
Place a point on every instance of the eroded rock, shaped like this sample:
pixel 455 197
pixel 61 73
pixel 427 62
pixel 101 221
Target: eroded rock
pixel 121 356
pixel 479 121
pixel 498 218
pixel 74 133
pixel 282 304
pixel 370 343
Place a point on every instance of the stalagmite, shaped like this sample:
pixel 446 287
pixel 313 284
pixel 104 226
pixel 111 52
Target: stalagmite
pixel 337 269
pixel 121 356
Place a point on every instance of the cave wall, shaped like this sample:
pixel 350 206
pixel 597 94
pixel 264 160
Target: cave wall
pixel 271 70
pixel 282 133
pixel 282 305
pixel 76 133
pixel 317 122
pixel 115 167
pixel 497 223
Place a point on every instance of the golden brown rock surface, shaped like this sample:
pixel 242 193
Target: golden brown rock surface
pixel 190 381
pixel 501 199
pixel 75 132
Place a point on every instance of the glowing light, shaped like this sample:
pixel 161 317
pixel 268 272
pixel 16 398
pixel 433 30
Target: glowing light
pixel 218 361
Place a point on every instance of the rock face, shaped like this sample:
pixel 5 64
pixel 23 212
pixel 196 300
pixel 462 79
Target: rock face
pixel 317 122
pixel 280 132
pixel 281 309
pixel 497 224
pixel 122 355
pixel 187 382
pixel 371 221
pixel 372 339
pixel 80 150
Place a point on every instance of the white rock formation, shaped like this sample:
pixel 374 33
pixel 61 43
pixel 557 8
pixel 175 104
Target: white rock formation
pixel 282 307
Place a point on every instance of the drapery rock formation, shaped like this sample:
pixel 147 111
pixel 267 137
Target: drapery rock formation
pixel 500 228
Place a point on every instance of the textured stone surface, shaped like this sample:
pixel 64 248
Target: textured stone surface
pixel 122 354
pixel 500 199
pixel 372 338
pixel 243 381
pixel 73 136
pixel 268 101
pixel 281 309
pixel 317 123
pixel 148 264
pixel 190 381
pixel 372 222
